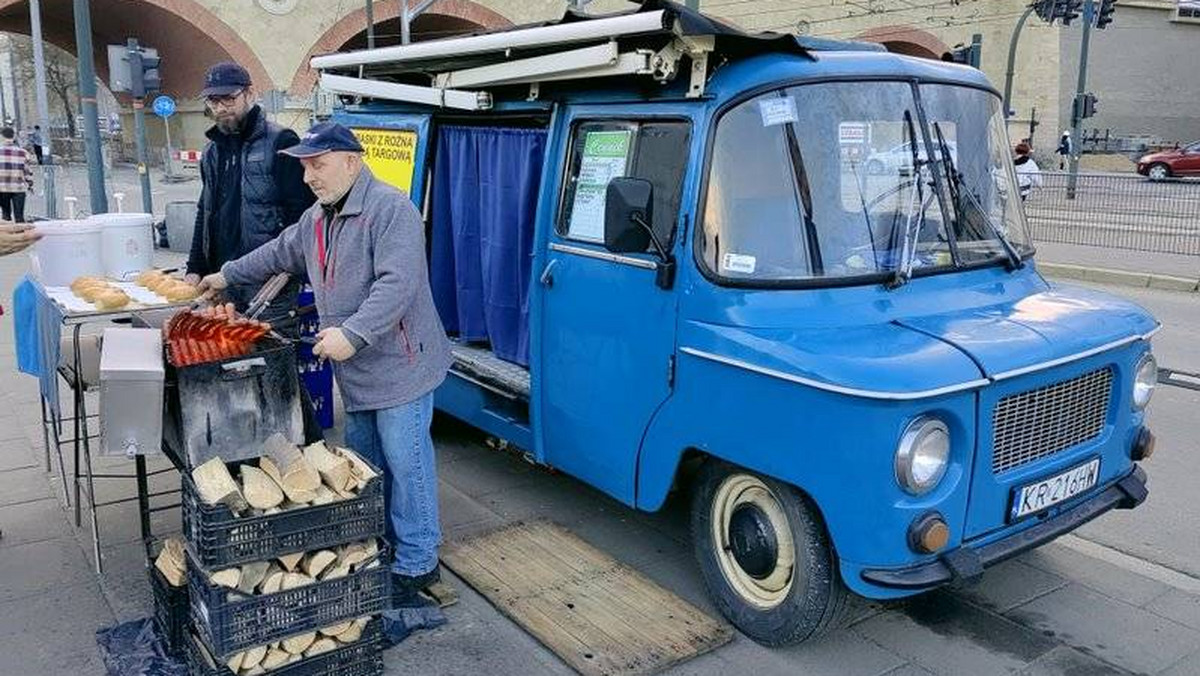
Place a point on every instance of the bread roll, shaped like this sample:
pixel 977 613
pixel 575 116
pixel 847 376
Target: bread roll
pixel 112 299
pixel 156 285
pixel 85 281
pixel 179 291
pixel 148 276
pixel 92 290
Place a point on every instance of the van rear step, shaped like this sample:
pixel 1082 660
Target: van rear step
pixel 481 365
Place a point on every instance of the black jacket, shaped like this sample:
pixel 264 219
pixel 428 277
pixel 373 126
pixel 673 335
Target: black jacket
pixel 272 196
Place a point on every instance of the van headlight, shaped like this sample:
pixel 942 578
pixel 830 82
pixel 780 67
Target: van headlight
pixel 922 455
pixel 1144 380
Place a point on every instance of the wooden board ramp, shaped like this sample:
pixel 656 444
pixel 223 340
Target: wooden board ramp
pixel 597 614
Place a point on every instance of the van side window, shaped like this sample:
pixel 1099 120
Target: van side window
pixel 601 151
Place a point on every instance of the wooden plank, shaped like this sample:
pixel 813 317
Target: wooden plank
pixel 598 615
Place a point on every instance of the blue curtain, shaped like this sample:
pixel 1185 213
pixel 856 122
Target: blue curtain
pixel 485 192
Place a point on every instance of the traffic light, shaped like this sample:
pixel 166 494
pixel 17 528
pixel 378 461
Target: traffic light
pixel 1085 106
pixel 967 55
pixel 1068 10
pixel 1104 13
pixel 1045 9
pixel 143 73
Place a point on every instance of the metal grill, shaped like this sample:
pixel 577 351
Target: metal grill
pixel 1032 425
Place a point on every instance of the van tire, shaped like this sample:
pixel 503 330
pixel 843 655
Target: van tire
pixel 815 600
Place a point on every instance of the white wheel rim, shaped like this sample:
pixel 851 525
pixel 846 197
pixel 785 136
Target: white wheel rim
pixel 743 489
pixel 1157 172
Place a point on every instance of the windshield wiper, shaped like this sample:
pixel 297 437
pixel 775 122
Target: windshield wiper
pixel 903 271
pixel 954 184
pixel 800 176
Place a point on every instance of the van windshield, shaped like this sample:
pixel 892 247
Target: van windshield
pixel 849 179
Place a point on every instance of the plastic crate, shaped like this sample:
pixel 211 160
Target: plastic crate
pixel 170 611
pixel 230 622
pixel 361 658
pixel 218 539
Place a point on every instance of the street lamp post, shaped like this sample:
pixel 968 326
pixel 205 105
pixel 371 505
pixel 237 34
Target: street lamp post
pixel 87 101
pixel 43 106
pixel 1089 14
pixel 1012 60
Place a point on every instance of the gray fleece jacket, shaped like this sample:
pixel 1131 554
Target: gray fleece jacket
pixel 370 278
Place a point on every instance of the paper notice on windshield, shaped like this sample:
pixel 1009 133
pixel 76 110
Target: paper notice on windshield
pixel 739 263
pixel 605 157
pixel 777 111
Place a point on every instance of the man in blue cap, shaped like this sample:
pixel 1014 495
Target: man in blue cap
pixel 363 248
pixel 249 192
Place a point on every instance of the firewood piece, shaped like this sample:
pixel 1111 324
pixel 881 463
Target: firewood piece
pixel 252 576
pixel 354 632
pixel 172 563
pixel 216 485
pixel 324 495
pixel 334 469
pixel 335 629
pixel 267 465
pixel 359 468
pixel 294 580
pixel 235 662
pixel 296 645
pixel 259 489
pixel 275 658
pixel 273 582
pixel 290 561
pixel 316 563
pixel 298 477
pixel 355 553
pixel 321 646
pixel 229 577
pixel 336 571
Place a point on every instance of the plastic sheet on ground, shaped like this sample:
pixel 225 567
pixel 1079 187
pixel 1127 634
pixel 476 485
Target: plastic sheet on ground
pixel 400 623
pixel 137 649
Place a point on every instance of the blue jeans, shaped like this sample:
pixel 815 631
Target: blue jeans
pixel 397 440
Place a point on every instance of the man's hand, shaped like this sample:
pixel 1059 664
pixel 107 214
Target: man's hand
pixel 211 285
pixel 16 237
pixel 333 344
pixel 192 278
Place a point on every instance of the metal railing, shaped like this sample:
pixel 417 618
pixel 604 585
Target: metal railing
pixel 1117 211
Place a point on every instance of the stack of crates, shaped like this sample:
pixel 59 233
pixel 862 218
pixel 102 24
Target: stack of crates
pixel 228 632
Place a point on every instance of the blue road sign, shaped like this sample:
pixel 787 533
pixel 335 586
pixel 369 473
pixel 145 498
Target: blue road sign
pixel 164 106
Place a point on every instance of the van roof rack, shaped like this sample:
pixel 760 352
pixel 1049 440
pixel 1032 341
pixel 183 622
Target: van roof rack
pixel 649 41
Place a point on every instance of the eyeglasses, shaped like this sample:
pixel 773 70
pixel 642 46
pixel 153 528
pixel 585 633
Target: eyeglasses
pixel 226 100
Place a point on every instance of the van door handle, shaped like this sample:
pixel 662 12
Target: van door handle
pixel 547 277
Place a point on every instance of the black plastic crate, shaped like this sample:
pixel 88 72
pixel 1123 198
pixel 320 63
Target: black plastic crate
pixel 361 658
pixel 170 611
pixel 218 539
pixel 230 622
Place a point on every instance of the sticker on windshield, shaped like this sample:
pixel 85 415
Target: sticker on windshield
pixel 739 263
pixel 777 111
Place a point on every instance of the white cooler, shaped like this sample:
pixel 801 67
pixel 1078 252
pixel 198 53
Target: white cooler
pixel 131 392
pixel 67 250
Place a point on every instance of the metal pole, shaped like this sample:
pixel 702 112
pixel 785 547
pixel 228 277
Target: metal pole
pixel 371 24
pixel 1012 60
pixel 139 130
pixel 43 105
pixel 405 19
pixel 1089 13
pixel 169 161
pixel 87 100
pixel 16 88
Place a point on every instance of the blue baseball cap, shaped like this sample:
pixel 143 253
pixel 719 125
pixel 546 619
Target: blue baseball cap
pixel 326 137
pixel 224 79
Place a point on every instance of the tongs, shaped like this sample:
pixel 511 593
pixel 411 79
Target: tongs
pixel 266 294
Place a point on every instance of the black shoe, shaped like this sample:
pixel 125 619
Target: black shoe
pixel 406 588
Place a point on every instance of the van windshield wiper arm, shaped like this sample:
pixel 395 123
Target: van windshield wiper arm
pixel 903 269
pixel 954 183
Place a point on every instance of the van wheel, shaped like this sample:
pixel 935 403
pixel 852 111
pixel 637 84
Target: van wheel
pixel 765 556
pixel 1159 172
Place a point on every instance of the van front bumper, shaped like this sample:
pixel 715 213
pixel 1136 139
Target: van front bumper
pixel 967 563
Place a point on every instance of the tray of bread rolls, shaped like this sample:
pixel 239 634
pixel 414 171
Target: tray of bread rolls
pixel 151 288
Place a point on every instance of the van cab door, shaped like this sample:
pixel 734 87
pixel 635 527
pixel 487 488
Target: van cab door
pixel 607 329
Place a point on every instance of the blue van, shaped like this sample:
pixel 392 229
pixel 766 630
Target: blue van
pixel 791 277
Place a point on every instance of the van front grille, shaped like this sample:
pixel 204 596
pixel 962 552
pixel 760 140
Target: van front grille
pixel 1032 425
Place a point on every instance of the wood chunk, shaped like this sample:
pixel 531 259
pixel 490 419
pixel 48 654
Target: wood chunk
pixel 216 485
pixel 227 578
pixel 296 645
pixel 297 476
pixel 314 564
pixel 254 656
pixel 324 495
pixel 259 489
pixel 336 571
pixel 294 580
pixel 359 468
pixel 354 553
pixel 234 663
pixel 355 631
pixel 290 561
pixel 172 563
pixel 273 510
pixel 321 646
pixel 272 470
pixel 272 583
pixel 275 658
pixel 334 469
pixel 252 576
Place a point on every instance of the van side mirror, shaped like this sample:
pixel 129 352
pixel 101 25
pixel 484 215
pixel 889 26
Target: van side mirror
pixel 628 212
pixel 627 201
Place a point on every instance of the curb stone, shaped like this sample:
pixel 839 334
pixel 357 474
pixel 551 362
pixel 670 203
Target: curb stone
pixel 1143 280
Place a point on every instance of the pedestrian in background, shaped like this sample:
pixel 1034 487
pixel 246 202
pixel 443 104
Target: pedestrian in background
pixel 1064 149
pixel 16 176
pixel 1029 175
pixel 37 141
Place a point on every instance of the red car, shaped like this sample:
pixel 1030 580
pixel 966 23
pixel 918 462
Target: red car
pixel 1183 161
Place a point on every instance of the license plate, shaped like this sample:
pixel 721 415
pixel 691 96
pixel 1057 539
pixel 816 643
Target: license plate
pixel 1037 496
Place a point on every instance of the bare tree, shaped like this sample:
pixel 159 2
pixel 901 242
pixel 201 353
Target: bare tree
pixel 62 76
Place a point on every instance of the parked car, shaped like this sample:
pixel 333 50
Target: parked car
pixel 1183 161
